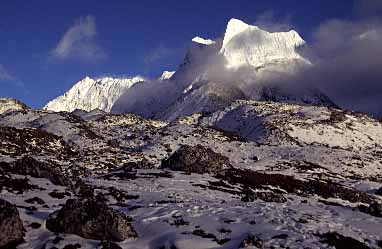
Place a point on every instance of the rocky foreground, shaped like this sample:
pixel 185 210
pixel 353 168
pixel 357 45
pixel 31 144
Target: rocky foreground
pixel 255 175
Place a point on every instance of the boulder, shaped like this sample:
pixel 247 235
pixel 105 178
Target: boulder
pixel 91 219
pixel 196 159
pixel 11 226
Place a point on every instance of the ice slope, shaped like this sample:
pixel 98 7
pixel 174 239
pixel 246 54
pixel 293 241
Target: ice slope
pixel 245 45
pixel 89 94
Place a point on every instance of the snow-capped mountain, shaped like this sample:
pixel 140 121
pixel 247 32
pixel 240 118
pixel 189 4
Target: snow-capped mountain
pixel 248 58
pixel 7 104
pixel 89 94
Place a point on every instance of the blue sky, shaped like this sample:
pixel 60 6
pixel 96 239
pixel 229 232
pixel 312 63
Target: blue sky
pixel 46 46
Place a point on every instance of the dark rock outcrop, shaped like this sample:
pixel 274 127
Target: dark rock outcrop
pixel 11 226
pixel 16 185
pixel 258 180
pixel 91 219
pixel 142 164
pixel 375 209
pixel 108 245
pixel 196 159
pixel 379 192
pixel 28 165
pixel 339 241
pixel 251 196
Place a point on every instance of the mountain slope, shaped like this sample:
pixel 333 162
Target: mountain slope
pixel 205 98
pixel 89 94
pixel 278 175
pixel 278 123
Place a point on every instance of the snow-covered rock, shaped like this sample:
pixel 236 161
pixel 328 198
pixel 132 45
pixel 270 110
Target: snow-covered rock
pixel 166 75
pixel 89 94
pixel 280 123
pixel 201 40
pixel 7 104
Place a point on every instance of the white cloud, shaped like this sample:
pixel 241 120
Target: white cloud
pixel 10 79
pixel 4 74
pixel 79 41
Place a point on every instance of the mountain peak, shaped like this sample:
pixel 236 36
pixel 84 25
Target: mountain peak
pixel 203 41
pixel 248 45
pixel 89 94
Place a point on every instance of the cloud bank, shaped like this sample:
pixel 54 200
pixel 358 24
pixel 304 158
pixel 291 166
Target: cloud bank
pixel 347 58
pixel 79 41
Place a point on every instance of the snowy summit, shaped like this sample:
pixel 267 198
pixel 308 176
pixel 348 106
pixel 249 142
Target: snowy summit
pixel 245 45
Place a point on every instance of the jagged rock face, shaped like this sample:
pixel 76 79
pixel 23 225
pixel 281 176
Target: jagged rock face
pixel 205 98
pixel 91 219
pixel 89 94
pixel 196 159
pixel 11 226
pixel 11 104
